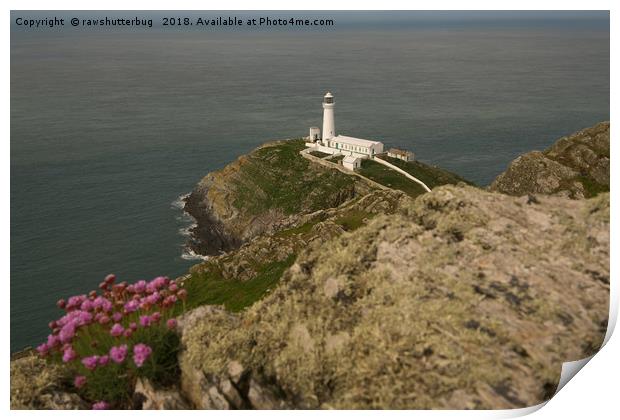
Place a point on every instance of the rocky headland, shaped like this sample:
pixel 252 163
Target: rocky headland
pixel 324 291
pixel 575 166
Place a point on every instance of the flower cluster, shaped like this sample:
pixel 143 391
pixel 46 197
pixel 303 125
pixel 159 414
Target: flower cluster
pixel 113 328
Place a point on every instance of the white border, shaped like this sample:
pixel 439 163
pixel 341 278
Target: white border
pixel 593 393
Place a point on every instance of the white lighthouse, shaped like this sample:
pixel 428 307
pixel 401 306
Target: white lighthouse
pixel 352 149
pixel 329 128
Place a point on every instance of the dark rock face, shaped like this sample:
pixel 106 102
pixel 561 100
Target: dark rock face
pixel 210 236
pixel 576 166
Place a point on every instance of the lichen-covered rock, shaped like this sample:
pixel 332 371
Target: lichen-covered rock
pixel 147 397
pixel 463 299
pixel 37 384
pixel 576 166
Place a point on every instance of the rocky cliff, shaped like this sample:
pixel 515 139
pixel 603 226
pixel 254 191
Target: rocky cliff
pixel 461 299
pixel 576 166
pixel 263 192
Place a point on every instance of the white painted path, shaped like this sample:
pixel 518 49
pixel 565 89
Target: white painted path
pixel 397 169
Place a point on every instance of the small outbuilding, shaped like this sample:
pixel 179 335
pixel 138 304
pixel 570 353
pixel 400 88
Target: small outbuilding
pixel 315 134
pixel 404 155
pixel 351 162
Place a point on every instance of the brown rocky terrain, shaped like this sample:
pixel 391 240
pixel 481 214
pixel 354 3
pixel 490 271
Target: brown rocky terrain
pixel 463 299
pixel 576 166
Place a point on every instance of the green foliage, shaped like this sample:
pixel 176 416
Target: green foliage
pixel 162 368
pixel 299 230
pixel 277 177
pixel 208 287
pixel 113 384
pixel 353 219
pixel 591 187
pixel 430 175
pixel 390 178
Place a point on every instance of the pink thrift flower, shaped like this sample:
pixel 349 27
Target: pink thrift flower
pixel 107 305
pixel 153 298
pixel 84 318
pixel 52 340
pixel 75 301
pixel 110 278
pixel 103 360
pixel 171 323
pixel 140 286
pixel 117 316
pixel 145 320
pixel 79 381
pixel 169 301
pixel 61 303
pixel 173 287
pixel 67 333
pixel 158 283
pixel 43 349
pixel 104 319
pixel 69 354
pixel 98 302
pixel 52 325
pixel 116 330
pixel 118 288
pixel 128 333
pixel 101 405
pixel 118 353
pixel 155 317
pixel 133 326
pixel 87 306
pixel 182 294
pixel 90 362
pixel 131 306
pixel 141 352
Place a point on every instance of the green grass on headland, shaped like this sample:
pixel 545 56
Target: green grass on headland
pixel 277 177
pixel 208 287
pixel 432 176
pixel 353 219
pixel 390 178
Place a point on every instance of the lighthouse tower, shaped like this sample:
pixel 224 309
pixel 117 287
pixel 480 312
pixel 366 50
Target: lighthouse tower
pixel 329 129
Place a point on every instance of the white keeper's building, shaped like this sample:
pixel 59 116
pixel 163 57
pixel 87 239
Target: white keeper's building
pixel 333 144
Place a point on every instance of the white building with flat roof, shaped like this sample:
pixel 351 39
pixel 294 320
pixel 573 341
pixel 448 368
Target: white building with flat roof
pixel 338 144
pixel 351 162
pixel 353 146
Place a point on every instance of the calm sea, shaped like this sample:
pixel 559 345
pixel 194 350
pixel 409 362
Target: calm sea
pixel 109 128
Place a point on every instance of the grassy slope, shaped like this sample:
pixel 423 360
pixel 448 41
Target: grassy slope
pixel 209 288
pixel 277 177
pixel 390 178
pixel 430 175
